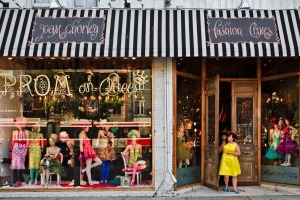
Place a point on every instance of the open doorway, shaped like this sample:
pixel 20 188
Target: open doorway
pixel 224 116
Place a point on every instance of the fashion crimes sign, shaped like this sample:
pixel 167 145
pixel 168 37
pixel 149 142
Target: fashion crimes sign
pixel 67 30
pixel 245 30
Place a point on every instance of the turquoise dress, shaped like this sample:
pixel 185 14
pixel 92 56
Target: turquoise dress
pixel 271 152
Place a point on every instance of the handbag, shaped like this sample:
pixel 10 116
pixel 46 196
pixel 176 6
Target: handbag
pixel 140 161
pixel 45 163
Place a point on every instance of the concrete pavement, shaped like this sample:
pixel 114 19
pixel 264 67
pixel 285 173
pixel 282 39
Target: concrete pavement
pixel 263 192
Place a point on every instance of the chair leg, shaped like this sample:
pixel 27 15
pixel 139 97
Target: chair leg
pixel 58 179
pixel 137 178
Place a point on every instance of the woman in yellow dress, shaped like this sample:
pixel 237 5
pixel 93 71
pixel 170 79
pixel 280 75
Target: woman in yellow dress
pixel 229 165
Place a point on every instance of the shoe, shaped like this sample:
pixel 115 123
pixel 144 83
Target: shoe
pixel 35 182
pixel 46 185
pixel 132 183
pixel 237 192
pixel 105 182
pixel 101 182
pixel 225 190
pixel 287 164
pixel 89 184
pixel 283 164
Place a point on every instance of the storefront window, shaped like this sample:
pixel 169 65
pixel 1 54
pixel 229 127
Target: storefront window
pixel 70 109
pixel 188 133
pixel 280 141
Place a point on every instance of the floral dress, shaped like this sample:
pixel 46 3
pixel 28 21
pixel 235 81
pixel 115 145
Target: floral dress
pixel 134 155
pixel 35 150
pixel 19 151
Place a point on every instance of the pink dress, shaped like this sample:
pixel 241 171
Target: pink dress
pixel 88 151
pixel 19 151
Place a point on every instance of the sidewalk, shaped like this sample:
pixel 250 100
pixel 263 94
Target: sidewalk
pixel 263 192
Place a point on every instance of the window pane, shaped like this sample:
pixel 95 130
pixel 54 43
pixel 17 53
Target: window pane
pixel 280 140
pixel 188 133
pixel 111 96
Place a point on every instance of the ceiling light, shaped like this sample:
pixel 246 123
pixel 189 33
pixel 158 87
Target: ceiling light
pixel 244 4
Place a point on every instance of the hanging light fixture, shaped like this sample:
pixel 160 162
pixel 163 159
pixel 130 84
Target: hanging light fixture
pixel 244 5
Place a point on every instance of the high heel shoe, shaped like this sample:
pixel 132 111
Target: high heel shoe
pixel 132 183
pixel 83 170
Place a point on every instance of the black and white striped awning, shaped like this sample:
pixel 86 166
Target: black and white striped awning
pixel 148 33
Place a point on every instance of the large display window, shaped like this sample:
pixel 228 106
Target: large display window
pixel 188 122
pixel 280 121
pixel 76 122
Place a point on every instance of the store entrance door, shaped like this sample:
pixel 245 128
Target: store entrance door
pixel 244 114
pixel 244 124
pixel 212 133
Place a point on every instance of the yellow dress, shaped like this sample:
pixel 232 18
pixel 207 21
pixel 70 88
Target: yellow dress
pixel 229 165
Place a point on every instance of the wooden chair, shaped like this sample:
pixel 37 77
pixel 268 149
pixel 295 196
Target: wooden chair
pixel 138 173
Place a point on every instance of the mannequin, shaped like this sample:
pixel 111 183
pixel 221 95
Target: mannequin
pixel 134 151
pixel 87 154
pixel 287 145
pixel 19 147
pixel 275 137
pixel 52 156
pixel 183 153
pixel 35 154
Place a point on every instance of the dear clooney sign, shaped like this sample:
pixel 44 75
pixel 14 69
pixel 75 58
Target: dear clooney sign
pixel 234 30
pixel 67 30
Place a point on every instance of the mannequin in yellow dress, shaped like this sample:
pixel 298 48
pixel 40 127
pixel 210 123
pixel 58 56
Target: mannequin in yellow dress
pixel 229 165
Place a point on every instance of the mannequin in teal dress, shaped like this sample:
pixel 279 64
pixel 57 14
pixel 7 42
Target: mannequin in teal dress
pixel 275 137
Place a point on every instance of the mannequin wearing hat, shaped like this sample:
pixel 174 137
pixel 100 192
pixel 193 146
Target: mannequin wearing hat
pixel 134 151
pixel 19 146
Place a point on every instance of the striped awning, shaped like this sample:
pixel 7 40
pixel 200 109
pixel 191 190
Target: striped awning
pixel 148 33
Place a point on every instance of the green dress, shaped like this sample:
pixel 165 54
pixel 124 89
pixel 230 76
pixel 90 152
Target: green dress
pixel 55 167
pixel 182 151
pixel 134 155
pixel 35 150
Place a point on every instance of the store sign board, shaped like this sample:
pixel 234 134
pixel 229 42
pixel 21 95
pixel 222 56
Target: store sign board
pixel 244 30
pixel 68 30
pixel 110 86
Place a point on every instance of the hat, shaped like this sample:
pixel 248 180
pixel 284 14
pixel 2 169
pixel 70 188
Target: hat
pixel 64 136
pixel 134 133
